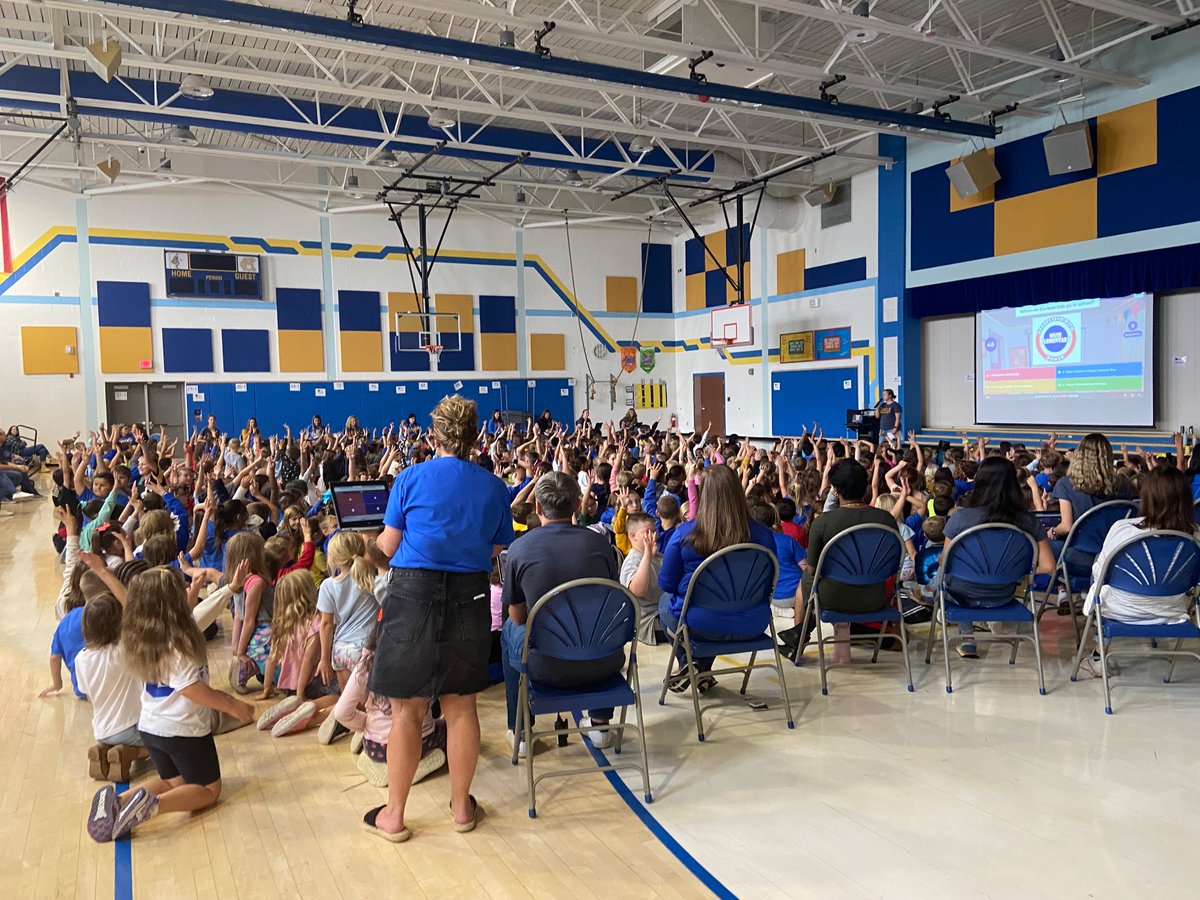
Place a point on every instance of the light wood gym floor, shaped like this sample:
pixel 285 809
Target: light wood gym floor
pixel 993 791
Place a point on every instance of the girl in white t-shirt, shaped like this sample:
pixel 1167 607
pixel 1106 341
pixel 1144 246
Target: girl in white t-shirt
pixel 116 695
pixel 163 647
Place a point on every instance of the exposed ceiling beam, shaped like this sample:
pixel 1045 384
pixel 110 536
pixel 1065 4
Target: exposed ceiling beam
pixel 1133 11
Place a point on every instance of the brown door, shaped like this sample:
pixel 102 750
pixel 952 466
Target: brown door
pixel 708 396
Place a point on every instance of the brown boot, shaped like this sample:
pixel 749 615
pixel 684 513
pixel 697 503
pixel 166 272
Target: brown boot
pixel 121 759
pixel 98 762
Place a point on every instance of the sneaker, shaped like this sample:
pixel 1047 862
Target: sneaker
pixel 239 675
pixel 374 772
pixel 967 650
pixel 223 722
pixel 430 763
pixel 601 740
pixel 705 683
pixel 6 513
pixel 356 742
pixel 331 730
pixel 522 750
pixel 1091 666
pixel 23 495
pixel 98 762
pixel 138 809
pixel 121 759
pixel 102 817
pixel 277 712
pixel 296 720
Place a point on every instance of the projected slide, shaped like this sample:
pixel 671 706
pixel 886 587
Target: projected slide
pixel 1083 362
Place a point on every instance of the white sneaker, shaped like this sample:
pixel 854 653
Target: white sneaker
pixel 1091 666
pixel 601 740
pixel 23 495
pixel 6 513
pixel 522 750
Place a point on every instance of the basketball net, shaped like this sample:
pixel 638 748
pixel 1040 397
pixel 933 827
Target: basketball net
pixel 434 351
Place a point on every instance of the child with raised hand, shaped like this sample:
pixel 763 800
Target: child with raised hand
pixel 348 607
pixel 115 694
pixel 295 648
pixel 253 608
pixel 640 571
pixel 162 647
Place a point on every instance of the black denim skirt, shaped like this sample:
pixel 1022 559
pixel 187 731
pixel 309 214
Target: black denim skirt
pixel 435 637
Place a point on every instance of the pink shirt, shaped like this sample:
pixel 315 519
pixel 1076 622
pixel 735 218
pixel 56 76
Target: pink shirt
pixel 360 710
pixel 289 666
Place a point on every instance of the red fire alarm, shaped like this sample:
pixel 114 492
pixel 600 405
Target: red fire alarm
pixel 146 364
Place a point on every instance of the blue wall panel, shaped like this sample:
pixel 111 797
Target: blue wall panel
pixel 940 237
pixel 358 311
pixel 657 294
pixel 1022 167
pixel 246 349
pixel 498 315
pixel 831 274
pixel 187 349
pixel 298 309
pixel 812 395
pixel 123 304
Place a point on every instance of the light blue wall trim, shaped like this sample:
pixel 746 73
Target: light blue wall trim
pixel 765 339
pixel 522 325
pixel 89 360
pixel 327 299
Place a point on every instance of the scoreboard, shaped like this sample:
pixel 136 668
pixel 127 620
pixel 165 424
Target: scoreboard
pixel 213 275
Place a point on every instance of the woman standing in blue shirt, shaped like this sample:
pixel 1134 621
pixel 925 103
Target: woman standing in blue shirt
pixel 722 520
pixel 446 520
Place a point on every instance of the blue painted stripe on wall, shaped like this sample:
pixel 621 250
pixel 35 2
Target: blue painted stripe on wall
pixel 825 276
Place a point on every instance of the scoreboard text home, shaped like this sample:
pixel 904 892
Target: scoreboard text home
pixel 213 275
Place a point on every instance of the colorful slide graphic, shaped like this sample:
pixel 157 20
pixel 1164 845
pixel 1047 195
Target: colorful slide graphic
pixel 1083 362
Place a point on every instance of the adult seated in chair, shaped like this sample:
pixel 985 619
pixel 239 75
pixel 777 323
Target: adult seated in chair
pixel 850 481
pixel 722 520
pixel 1166 504
pixel 996 497
pixel 540 561
pixel 1091 480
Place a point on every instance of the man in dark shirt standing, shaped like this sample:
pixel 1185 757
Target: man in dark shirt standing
pixel 889 414
pixel 540 561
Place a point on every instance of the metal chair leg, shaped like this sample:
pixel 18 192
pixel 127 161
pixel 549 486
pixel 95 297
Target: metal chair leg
pixel 1087 629
pixel 946 646
pixel 525 720
pixel 1037 652
pixel 929 642
pixel 820 644
pixel 749 669
pixel 1174 659
pixel 662 697
pixel 803 642
pixel 1104 666
pixel 693 677
pixel 641 730
pixel 787 703
pixel 904 648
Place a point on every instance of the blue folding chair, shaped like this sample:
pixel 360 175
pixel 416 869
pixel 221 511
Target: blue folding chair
pixel 588 619
pixel 987 556
pixel 1152 564
pixel 1085 539
pixel 862 555
pixel 738 579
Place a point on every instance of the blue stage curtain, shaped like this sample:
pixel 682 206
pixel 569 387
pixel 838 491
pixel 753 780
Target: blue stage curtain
pixel 1153 271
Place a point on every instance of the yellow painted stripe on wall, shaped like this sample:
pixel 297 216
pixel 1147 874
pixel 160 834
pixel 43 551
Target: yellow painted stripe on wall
pixel 362 351
pixel 1127 139
pixel 301 351
pixel 1059 215
pixel 122 350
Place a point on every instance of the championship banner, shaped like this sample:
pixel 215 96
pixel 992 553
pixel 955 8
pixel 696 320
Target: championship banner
pixel 628 358
pixel 648 361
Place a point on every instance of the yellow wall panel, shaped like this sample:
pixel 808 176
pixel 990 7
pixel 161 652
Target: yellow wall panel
pixel 301 351
pixel 362 351
pixel 123 350
pixel 461 304
pixel 1127 139
pixel 715 243
pixel 731 295
pixel 620 293
pixel 1060 215
pixel 43 350
pixel 403 302
pixel 547 352
pixel 984 197
pixel 789 272
pixel 694 290
pixel 498 352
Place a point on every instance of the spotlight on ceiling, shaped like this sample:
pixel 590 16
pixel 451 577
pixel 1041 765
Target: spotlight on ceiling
pixel 352 187
pixel 104 57
pixel 387 159
pixel 196 87
pixel 508 39
pixel 441 118
pixel 641 144
pixel 520 196
pixel 181 134
pixel 862 34
pixel 915 107
pixel 573 178
pixel 1052 76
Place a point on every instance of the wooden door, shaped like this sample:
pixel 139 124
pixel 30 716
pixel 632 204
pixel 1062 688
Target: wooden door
pixel 708 397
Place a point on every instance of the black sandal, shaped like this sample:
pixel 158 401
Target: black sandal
pixel 395 837
pixel 476 815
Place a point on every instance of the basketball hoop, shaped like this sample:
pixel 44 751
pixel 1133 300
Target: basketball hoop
pixel 434 351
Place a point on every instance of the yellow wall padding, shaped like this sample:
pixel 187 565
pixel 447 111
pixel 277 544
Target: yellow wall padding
pixel 123 350
pixel 498 352
pixel 694 291
pixel 301 351
pixel 362 351
pixel 620 293
pixel 789 272
pixel 44 350
pixel 1059 215
pixel 547 352
pixel 461 305
pixel 1127 139
pixel 403 302
pixel 731 295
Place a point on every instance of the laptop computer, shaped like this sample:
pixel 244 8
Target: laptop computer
pixel 360 505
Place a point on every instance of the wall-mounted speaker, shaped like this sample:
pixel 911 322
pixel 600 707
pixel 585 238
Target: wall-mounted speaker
pixel 1068 148
pixel 973 173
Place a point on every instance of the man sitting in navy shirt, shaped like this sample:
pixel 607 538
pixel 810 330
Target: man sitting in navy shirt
pixel 540 561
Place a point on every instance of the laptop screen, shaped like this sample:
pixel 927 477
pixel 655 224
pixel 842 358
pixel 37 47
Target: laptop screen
pixel 360 505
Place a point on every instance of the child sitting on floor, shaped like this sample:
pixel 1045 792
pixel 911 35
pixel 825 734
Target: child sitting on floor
pixel 253 607
pixel 348 607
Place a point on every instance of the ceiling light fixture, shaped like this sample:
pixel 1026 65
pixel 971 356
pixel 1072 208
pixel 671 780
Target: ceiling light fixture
pixel 520 196
pixel 641 144
pixel 352 187
pixel 508 39
pixel 863 34
pixel 181 134
pixel 573 178
pixel 1053 76
pixel 196 87
pixel 441 118
pixel 387 159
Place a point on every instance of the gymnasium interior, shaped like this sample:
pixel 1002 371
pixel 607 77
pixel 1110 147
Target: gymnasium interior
pixel 733 219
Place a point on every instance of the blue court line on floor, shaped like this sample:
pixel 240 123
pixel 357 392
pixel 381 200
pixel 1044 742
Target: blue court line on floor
pixel 123 863
pixel 705 877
